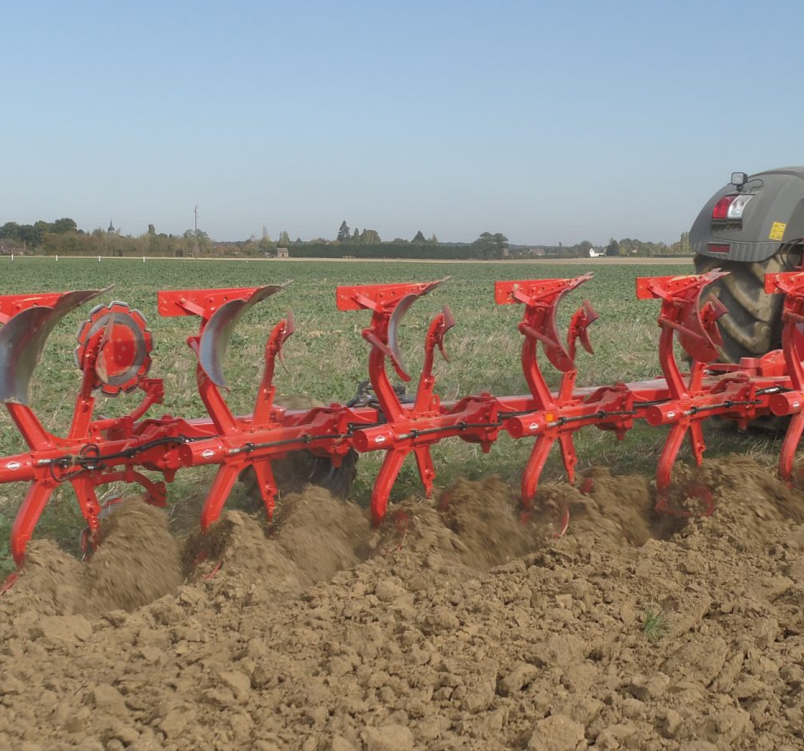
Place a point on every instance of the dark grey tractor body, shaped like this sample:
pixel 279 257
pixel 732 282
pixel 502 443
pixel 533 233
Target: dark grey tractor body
pixel 751 227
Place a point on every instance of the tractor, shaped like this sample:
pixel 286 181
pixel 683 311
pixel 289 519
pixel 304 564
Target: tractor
pixel 751 227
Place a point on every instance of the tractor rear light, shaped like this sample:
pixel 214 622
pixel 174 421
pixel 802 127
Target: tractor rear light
pixel 718 248
pixel 738 206
pixel 730 208
pixel 721 210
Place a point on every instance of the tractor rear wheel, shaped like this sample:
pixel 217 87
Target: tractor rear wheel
pixel 753 325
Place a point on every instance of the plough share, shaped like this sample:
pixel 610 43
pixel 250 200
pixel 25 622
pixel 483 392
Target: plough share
pixel 114 356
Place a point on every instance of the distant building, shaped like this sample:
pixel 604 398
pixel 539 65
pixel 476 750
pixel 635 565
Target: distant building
pixel 282 253
pixel 538 252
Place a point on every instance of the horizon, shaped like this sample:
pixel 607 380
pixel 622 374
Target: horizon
pixel 551 124
pixel 119 231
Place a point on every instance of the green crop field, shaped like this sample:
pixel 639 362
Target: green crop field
pixel 327 356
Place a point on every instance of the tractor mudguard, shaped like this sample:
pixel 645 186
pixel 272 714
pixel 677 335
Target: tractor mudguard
pixel 772 218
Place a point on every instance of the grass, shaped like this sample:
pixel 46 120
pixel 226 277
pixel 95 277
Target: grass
pixel 654 623
pixel 327 356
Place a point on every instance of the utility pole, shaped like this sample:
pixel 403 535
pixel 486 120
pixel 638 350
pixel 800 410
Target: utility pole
pixel 196 231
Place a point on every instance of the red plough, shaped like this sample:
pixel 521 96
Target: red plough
pixel 114 356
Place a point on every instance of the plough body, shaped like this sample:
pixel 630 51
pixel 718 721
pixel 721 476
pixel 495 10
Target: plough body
pixel 114 355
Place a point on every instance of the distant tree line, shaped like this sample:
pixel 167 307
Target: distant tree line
pixel 624 247
pixel 381 250
pixel 346 236
pixel 33 235
pixel 62 237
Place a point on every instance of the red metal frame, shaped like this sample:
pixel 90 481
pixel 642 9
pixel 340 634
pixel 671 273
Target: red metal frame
pixel 790 284
pixel 556 416
pixel 201 302
pixel 10 305
pixel 97 451
pixel 412 428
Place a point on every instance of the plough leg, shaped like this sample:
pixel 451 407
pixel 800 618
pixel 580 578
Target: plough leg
pixel 668 456
pixel 90 508
pixel 385 480
pixel 221 488
pixel 424 461
pixel 267 485
pixel 789 446
pixel 697 442
pixel 569 456
pixel 533 470
pixel 27 517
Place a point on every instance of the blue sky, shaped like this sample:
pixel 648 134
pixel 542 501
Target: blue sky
pixel 547 121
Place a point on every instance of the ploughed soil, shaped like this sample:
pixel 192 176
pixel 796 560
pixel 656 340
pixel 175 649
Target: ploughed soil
pixel 458 625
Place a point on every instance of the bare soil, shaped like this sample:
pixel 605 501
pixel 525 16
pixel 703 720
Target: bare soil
pixel 457 626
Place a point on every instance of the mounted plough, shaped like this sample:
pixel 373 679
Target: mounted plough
pixel 114 356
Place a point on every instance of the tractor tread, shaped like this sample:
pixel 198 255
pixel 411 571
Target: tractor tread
pixel 752 326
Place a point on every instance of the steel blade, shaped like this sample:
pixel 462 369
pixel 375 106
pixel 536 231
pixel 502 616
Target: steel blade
pixel 23 339
pixel 215 338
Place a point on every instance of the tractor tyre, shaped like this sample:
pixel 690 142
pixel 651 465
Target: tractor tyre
pixel 753 325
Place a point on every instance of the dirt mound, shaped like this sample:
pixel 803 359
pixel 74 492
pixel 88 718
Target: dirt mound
pixel 752 491
pixel 322 535
pixel 51 583
pixel 485 515
pixel 238 547
pixel 615 510
pixel 138 562
pixel 313 537
pixel 462 629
